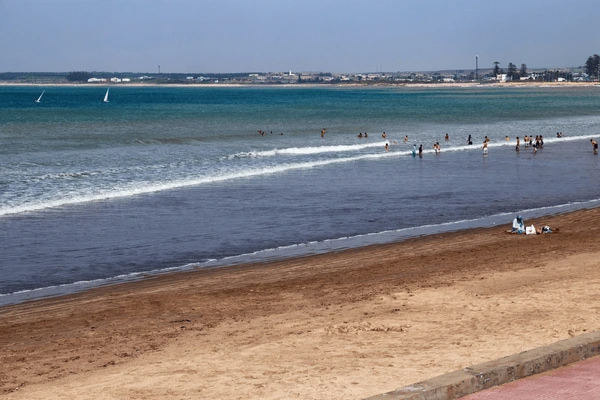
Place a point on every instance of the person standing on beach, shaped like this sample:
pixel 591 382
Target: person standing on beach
pixel 518 148
pixel 594 145
pixel 485 147
pixel 421 150
pixel 414 150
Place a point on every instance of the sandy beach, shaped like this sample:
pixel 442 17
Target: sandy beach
pixel 344 325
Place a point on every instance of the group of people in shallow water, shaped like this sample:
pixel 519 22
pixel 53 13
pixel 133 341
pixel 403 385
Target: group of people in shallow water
pixel 529 141
pixel 263 133
pixel 536 143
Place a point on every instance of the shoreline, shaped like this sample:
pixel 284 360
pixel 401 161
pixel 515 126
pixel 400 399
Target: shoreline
pixel 345 324
pixel 290 252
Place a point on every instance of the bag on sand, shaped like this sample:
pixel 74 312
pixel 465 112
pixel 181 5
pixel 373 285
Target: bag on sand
pixel 530 230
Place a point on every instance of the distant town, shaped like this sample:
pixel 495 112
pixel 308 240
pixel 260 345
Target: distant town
pixel 489 75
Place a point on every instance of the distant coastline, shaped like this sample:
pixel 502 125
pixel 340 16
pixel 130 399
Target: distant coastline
pixel 311 85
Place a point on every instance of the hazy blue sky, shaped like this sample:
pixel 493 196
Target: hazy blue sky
pixel 282 35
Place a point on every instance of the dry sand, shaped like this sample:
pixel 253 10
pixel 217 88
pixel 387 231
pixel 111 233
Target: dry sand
pixel 344 325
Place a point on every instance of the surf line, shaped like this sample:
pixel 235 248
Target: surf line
pixel 125 192
pixel 307 150
pixel 132 191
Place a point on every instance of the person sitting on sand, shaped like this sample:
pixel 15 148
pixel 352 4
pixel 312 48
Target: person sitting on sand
pixel 518 226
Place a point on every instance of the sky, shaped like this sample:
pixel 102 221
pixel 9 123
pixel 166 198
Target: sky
pixel 224 36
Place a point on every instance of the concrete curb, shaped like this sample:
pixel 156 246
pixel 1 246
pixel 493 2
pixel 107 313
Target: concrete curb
pixel 494 373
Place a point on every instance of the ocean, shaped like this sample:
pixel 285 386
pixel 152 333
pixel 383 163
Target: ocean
pixel 163 179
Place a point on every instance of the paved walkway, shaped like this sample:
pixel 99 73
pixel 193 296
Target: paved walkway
pixel 568 369
pixel 580 381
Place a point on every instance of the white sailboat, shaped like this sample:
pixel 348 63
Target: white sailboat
pixel 40 98
pixel 106 96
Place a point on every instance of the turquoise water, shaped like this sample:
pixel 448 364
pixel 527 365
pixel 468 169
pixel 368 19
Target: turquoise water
pixel 165 178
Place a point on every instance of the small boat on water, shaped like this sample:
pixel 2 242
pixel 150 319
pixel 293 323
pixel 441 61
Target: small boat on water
pixel 40 98
pixel 106 96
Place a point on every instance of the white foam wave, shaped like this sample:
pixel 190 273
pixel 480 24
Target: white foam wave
pixel 295 151
pixel 131 191
pixel 141 189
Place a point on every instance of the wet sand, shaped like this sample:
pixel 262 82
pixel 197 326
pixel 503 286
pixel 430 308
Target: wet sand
pixel 343 325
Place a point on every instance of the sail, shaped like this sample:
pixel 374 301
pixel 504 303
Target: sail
pixel 40 98
pixel 106 96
